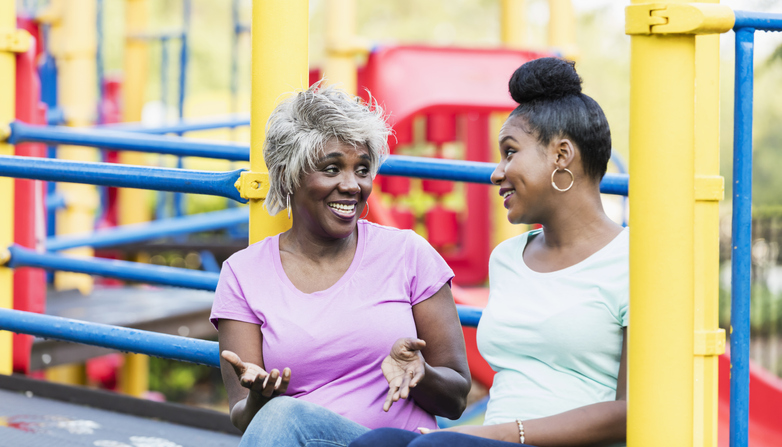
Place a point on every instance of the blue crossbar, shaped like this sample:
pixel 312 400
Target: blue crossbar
pixel 127 234
pixel 419 167
pixel 123 339
pixel 123 176
pixel 229 121
pixel 127 141
pixel 760 21
pixel 110 268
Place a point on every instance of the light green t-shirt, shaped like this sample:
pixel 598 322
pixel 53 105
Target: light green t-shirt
pixel 554 339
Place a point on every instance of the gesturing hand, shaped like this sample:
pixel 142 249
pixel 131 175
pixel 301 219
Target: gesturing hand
pixel 403 368
pixel 254 378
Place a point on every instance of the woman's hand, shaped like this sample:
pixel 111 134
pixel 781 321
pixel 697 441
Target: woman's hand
pixel 507 432
pixel 254 378
pixel 403 368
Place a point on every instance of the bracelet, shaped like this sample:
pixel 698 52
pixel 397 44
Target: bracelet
pixel 521 430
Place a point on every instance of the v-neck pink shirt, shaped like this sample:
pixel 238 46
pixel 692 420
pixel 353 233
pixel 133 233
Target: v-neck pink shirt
pixel 334 340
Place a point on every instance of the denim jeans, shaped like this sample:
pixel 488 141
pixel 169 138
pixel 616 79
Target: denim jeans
pixel 288 422
pixel 393 437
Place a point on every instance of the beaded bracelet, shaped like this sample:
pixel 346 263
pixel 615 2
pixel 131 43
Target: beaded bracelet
pixel 521 430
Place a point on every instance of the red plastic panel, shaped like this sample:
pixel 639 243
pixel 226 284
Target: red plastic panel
pixel 29 199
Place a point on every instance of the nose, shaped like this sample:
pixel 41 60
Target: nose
pixel 349 184
pixel 498 175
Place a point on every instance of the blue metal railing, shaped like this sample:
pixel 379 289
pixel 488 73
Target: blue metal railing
pixel 127 234
pixel 123 176
pixel 745 26
pixel 419 167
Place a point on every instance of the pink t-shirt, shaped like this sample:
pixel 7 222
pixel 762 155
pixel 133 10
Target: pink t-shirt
pixel 334 340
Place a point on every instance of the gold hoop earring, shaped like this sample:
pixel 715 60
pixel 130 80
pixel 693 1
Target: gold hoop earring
pixel 366 207
pixel 288 204
pixel 572 180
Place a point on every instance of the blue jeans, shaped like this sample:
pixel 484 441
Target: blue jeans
pixel 393 437
pixel 288 422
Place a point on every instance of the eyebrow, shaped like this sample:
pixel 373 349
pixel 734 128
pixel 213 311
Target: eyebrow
pixel 340 155
pixel 506 138
pixel 331 155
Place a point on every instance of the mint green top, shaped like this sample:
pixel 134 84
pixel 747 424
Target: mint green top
pixel 555 339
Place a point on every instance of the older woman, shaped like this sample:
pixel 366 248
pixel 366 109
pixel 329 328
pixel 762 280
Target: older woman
pixel 331 323
pixel 556 323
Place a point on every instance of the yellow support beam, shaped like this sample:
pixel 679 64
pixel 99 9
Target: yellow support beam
pixel 279 65
pixel 513 23
pixel 73 38
pixel 134 376
pixel 134 203
pixel 562 28
pixel 7 114
pixel 708 192
pixel 342 45
pixel 672 289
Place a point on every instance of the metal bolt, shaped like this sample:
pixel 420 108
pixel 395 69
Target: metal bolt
pixel 255 185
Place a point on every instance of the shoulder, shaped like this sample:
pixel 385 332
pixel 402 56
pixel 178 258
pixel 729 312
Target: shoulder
pixel 512 245
pixel 390 236
pixel 254 252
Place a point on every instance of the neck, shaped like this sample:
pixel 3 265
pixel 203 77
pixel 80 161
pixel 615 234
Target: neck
pixel 306 243
pixel 577 219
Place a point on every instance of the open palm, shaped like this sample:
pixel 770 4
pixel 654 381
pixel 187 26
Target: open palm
pixel 403 368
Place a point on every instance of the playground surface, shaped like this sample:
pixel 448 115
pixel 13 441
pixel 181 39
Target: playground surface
pixel 35 413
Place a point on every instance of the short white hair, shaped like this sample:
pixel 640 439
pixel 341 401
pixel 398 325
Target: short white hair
pixel 300 126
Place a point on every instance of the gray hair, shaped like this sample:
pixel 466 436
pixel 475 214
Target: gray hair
pixel 299 127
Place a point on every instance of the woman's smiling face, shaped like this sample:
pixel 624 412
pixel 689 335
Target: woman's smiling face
pixel 523 174
pixel 331 198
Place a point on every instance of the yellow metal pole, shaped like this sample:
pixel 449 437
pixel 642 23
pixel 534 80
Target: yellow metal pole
pixel 279 65
pixel 562 28
pixel 709 338
pixel 134 203
pixel 340 66
pixel 7 114
pixel 662 173
pixel 74 42
pixel 513 23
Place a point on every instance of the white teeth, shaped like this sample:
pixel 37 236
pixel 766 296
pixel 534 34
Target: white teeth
pixel 507 193
pixel 342 207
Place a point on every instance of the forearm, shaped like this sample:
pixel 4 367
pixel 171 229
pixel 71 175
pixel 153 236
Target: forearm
pixel 443 391
pixel 244 411
pixel 597 424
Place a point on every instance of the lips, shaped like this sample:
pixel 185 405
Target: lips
pixel 345 210
pixel 506 194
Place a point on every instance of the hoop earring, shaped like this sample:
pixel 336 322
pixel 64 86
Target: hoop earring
pixel 572 180
pixel 288 204
pixel 366 207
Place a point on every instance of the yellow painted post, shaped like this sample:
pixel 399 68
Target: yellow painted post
pixel 73 40
pixel 709 190
pixel 134 376
pixel 280 31
pixel 663 190
pixel 562 28
pixel 513 23
pixel 134 203
pixel 7 114
pixel 340 66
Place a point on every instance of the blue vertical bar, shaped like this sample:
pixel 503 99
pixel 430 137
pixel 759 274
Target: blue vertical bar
pixel 741 239
pixel 179 203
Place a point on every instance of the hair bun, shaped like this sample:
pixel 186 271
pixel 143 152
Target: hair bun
pixel 544 78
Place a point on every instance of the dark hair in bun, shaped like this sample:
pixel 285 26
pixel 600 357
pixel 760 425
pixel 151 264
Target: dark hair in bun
pixel 548 91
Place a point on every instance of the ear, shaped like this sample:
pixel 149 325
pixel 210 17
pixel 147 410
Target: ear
pixel 564 152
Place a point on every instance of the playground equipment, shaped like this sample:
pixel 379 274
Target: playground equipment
pixel 666 272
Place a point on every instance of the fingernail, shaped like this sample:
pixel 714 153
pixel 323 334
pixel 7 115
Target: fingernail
pixel 424 430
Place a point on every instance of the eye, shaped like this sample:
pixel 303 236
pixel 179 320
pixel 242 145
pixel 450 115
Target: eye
pixel 509 152
pixel 362 170
pixel 331 169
